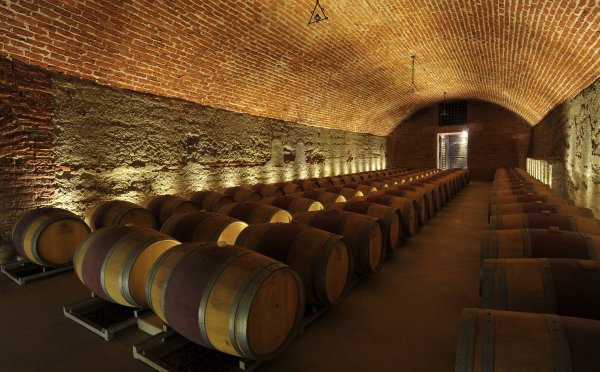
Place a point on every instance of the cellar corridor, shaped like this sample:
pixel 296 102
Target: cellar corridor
pixel 404 318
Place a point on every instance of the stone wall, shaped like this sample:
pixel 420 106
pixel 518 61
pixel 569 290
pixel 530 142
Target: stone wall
pixel 497 137
pixel 571 132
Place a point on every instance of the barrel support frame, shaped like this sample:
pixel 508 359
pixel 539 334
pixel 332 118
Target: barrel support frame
pixel 25 271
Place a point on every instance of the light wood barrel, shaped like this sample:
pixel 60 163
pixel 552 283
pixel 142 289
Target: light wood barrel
pixel 114 262
pixel 323 260
pixel 164 206
pixel 294 204
pixel 529 199
pixel 289 188
pixel 407 208
pixel 508 341
pixel 539 243
pixel 203 227
pixel 364 233
pixel 545 221
pixel 48 236
pixel 235 300
pixel 322 197
pixel 560 286
pixel 119 213
pixel 268 191
pixel 256 213
pixel 241 194
pixel 417 197
pixel 346 192
pixel 210 200
pixel 539 207
pixel 390 218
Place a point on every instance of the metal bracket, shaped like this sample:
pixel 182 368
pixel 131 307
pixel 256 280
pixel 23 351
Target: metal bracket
pixel 25 271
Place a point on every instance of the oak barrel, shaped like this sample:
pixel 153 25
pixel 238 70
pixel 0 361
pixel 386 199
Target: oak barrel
pixel 547 198
pixel 227 298
pixel 48 236
pixel 210 200
pixel 364 234
pixel 407 208
pixel 539 207
pixel 322 197
pixel 256 213
pixel 344 191
pixel 545 221
pixel 508 341
pixel 119 213
pixel 242 194
pixel 323 260
pixel 114 262
pixel 268 191
pixel 289 188
pixel 164 206
pixel 294 204
pixel 560 286
pixel 203 227
pixel 421 207
pixel 365 189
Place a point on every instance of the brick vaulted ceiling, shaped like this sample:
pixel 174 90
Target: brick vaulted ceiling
pixel 350 72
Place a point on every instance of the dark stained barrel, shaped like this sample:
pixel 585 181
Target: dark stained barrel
pixel 307 185
pixel 323 181
pixel 379 184
pixel 119 213
pixel 294 204
pixel 539 243
pixel 350 178
pixel 256 213
pixel 407 208
pixel 48 236
pixel 241 194
pixel 508 341
pixel 365 189
pixel 203 227
pixel 323 260
pixel 417 197
pixel 539 207
pixel 322 197
pixel 346 192
pixel 545 221
pixel 364 233
pixel 390 217
pixel 289 188
pixel 547 198
pixel 164 206
pixel 337 181
pixel 210 200
pixel 427 194
pixel 433 191
pixel 268 191
pixel 114 262
pixel 227 298
pixel 560 286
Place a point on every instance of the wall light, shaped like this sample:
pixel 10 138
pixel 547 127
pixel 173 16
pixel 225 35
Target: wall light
pixel 464 134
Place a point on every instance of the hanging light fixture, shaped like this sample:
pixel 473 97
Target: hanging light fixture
pixel 413 86
pixel 444 112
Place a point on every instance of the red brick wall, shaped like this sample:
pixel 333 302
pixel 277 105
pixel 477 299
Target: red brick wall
pixel 26 133
pixel 497 137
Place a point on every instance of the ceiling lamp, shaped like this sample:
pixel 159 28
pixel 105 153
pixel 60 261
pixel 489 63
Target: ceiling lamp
pixel 444 112
pixel 413 86
pixel 318 14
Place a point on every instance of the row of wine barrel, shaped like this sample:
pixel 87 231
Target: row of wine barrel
pixel 540 286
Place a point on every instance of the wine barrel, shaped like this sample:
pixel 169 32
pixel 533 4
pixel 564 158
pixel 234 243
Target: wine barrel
pixel 390 218
pixel 560 286
pixel 203 227
pixel 520 191
pixel 164 206
pixel 365 189
pixel 324 182
pixel 425 192
pixel 307 185
pixel 349 179
pixel 294 204
pixel 255 213
pixel 508 341
pixel 337 181
pixel 210 200
pixel 545 221
pixel 119 213
pixel 114 262
pixel 530 199
pixel 323 260
pixel 379 184
pixel 539 243
pixel 322 197
pixel 407 208
pixel 48 236
pixel 433 191
pixel 539 207
pixel 421 207
pixel 346 192
pixel 227 298
pixel 289 188
pixel 241 194
pixel 364 233
pixel 268 191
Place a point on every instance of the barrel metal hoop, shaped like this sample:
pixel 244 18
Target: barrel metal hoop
pixel 589 245
pixel 487 358
pixel 121 214
pixel 465 352
pixel 548 283
pixel 206 294
pixel 559 343
pixel 525 220
pixel 152 275
pixel 527 248
pixel 573 223
pixel 364 241
pixel 40 229
pixel 487 284
pixel 318 274
pixel 502 288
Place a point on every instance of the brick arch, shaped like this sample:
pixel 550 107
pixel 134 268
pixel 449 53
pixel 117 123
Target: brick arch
pixel 350 72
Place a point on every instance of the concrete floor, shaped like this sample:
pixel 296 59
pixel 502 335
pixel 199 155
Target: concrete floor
pixel 404 318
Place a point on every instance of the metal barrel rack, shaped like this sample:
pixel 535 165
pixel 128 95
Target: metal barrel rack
pixel 25 271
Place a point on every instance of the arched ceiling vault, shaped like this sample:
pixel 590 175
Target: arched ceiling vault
pixel 351 72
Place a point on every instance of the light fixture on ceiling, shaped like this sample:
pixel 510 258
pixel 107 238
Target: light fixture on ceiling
pixel 318 14
pixel 413 86
pixel 444 112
